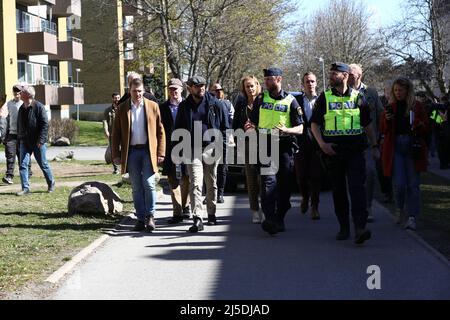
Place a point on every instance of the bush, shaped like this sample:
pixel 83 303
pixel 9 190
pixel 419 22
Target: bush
pixel 88 116
pixel 63 128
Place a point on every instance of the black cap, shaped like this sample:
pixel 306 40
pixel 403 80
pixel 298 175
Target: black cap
pixel 272 72
pixel 340 66
pixel 195 81
pixel 17 88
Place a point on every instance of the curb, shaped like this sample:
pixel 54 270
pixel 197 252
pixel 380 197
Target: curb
pixel 68 266
pixel 418 238
pixel 56 276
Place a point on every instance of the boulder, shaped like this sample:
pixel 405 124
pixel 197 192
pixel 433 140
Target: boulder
pixel 93 198
pixel 64 156
pixel 61 142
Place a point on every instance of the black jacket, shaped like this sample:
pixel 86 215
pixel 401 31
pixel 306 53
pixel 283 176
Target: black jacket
pixel 240 113
pixel 217 116
pixel 33 129
pixel 169 125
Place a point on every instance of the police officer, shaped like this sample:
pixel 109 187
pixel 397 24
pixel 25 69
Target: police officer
pixel 275 112
pixel 341 124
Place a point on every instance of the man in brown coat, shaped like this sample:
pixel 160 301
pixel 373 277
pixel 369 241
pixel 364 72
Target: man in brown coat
pixel 138 145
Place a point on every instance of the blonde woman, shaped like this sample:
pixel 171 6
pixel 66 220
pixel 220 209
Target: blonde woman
pixel 404 125
pixel 250 89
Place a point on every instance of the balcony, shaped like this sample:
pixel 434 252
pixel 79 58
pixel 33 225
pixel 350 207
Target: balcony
pixel 35 35
pixel 46 93
pixel 35 2
pixel 71 95
pixel 35 43
pixel 67 8
pixel 71 50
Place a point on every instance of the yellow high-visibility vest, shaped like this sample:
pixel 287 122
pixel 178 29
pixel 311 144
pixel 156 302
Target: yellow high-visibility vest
pixel 343 115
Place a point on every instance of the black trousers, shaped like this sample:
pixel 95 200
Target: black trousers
pixel 276 188
pixel 347 172
pixel 222 170
pixel 443 144
pixel 11 152
pixel 308 171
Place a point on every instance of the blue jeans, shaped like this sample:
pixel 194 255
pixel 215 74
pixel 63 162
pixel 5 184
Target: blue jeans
pixel 406 179
pixel 142 182
pixel 41 158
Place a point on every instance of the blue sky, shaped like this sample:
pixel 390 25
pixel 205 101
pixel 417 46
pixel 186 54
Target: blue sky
pixel 384 11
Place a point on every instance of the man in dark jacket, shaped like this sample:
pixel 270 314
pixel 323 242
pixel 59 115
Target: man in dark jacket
pixel 178 180
pixel 307 163
pixel 32 127
pixel 201 111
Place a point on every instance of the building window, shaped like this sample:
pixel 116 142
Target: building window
pixel 129 51
pixel 128 23
pixel 55 74
pixel 21 70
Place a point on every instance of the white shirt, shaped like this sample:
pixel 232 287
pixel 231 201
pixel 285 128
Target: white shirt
pixel 138 130
pixel 13 110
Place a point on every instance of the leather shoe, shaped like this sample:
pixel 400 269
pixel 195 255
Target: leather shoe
pixel 139 226
pixel 212 220
pixel 197 226
pixel 220 199
pixel 362 235
pixel 186 212
pixel 149 224
pixel 304 207
pixel 175 220
pixel 343 235
pixel 269 227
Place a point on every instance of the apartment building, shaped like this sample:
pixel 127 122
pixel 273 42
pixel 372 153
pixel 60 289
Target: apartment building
pixel 37 47
pixel 103 66
pixel 111 48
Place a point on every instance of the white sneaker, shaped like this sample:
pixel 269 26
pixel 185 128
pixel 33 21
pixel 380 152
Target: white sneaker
pixel 262 217
pixel 255 217
pixel 411 223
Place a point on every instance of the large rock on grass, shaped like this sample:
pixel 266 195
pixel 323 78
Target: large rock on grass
pixel 94 198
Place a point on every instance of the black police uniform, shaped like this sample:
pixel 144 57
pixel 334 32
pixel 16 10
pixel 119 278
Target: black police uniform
pixel 276 188
pixel 346 168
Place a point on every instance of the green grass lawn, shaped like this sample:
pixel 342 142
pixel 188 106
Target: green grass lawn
pixel 37 236
pixel 91 134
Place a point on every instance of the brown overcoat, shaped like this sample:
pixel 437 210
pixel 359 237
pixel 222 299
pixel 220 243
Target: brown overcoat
pixel 122 133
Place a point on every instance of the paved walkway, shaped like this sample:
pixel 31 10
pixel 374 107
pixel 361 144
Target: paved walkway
pixel 237 260
pixel 80 153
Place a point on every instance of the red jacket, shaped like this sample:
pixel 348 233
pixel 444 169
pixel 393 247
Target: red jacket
pixel 387 128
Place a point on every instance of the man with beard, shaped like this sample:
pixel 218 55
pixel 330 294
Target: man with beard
pixel 340 122
pixel 202 110
pixel 276 110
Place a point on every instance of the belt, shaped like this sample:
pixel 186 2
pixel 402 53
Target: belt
pixel 139 146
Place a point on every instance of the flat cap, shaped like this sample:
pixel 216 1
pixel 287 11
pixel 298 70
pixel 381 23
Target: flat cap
pixel 216 86
pixel 340 66
pixel 175 83
pixel 272 72
pixel 195 81
pixel 17 88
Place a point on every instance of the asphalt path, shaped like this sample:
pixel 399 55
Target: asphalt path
pixel 237 260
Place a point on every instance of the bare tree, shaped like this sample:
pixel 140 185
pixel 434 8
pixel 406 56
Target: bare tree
pixel 338 32
pixel 421 38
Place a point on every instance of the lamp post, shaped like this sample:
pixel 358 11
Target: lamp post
pixel 323 72
pixel 78 70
